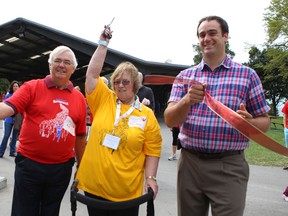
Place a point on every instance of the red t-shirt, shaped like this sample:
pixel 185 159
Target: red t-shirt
pixel 53 119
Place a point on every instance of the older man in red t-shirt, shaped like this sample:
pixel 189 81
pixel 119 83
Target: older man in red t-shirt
pixel 53 132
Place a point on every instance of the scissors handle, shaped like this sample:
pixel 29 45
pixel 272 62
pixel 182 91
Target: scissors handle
pixel 109 36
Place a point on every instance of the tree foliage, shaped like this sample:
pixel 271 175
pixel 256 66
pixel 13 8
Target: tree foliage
pixel 276 19
pixel 276 68
pixel 273 80
pixel 276 22
pixel 4 85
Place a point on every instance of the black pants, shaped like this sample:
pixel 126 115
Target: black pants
pixel 39 188
pixel 134 211
pixel 176 141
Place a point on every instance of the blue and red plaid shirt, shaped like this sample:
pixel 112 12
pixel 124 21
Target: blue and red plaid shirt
pixel 230 83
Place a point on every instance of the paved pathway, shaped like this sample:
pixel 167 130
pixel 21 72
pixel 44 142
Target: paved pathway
pixel 265 187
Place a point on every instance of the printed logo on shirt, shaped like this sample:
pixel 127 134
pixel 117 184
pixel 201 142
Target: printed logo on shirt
pixel 61 101
pixel 53 127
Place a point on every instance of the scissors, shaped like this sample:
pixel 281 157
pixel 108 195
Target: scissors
pixel 108 27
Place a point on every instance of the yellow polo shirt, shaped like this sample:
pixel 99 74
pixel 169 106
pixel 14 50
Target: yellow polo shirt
pixel 117 175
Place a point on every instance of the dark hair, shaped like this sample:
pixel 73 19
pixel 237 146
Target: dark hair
pixel 11 86
pixel 223 24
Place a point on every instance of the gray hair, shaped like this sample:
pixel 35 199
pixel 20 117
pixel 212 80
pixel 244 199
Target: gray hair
pixel 59 50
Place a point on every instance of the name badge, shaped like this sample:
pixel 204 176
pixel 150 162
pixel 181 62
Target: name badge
pixel 111 141
pixel 135 121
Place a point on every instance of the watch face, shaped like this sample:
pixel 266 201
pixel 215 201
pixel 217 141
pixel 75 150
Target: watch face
pixel 151 177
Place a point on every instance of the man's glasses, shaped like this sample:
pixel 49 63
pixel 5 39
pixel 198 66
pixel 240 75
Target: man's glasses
pixel 65 62
pixel 124 82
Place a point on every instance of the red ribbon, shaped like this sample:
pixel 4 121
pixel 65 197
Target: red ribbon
pixel 227 114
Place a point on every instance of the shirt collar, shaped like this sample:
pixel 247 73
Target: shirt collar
pixel 50 84
pixel 225 63
pixel 136 104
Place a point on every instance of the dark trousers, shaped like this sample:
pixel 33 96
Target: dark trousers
pixel 134 211
pixel 176 141
pixel 39 188
pixel 175 132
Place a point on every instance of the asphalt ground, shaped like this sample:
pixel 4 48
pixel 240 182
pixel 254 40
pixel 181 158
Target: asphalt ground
pixel 264 195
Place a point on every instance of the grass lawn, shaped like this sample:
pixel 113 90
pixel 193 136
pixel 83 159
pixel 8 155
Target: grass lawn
pixel 258 155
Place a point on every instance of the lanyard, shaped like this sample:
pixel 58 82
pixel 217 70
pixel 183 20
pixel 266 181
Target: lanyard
pixel 118 117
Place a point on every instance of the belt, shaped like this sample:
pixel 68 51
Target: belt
pixel 206 156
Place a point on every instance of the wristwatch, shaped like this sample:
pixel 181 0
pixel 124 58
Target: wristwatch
pixel 151 177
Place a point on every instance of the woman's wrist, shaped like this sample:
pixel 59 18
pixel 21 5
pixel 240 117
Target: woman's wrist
pixel 152 178
pixel 103 43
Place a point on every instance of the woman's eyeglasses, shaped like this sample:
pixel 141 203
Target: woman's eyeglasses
pixel 124 82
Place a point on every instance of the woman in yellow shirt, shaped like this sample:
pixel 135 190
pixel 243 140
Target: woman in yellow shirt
pixel 124 146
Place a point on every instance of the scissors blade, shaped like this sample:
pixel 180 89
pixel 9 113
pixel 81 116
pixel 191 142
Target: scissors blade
pixel 111 22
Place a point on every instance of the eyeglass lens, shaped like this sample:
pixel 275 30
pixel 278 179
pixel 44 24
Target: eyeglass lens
pixel 124 82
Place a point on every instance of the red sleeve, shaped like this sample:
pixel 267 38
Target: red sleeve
pixel 284 109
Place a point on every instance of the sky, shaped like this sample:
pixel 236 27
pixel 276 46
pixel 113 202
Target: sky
pixel 152 30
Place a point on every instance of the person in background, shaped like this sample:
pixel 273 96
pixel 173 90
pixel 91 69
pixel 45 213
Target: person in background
pixel 3 96
pixel 212 169
pixel 175 143
pixel 105 80
pixel 145 94
pixel 78 88
pixel 18 120
pixel 285 194
pixel 285 124
pixel 124 146
pixel 52 133
pixel 9 125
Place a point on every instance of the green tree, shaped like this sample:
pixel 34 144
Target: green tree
pixel 276 23
pixel 266 64
pixel 198 57
pixel 4 84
